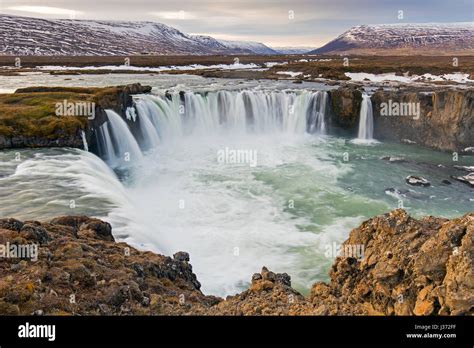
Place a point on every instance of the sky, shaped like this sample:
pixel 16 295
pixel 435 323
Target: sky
pixel 277 23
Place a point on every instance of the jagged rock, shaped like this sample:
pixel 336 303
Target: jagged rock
pixel 345 104
pixel 34 232
pixel 446 120
pixel 11 224
pixel 466 179
pixel 465 168
pixel 181 256
pixel 417 181
pixel 408 267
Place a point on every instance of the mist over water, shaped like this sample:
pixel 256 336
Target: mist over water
pixel 174 191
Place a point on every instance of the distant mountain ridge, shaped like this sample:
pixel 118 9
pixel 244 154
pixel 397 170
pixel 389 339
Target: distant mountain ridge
pixel 49 37
pixel 438 38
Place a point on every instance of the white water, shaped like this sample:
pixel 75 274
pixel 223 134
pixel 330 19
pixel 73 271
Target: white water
pixel 169 119
pixel 228 216
pixel 84 141
pixel 231 218
pixel 117 143
pixel 366 119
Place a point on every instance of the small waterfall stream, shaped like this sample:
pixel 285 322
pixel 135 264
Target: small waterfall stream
pixel 366 121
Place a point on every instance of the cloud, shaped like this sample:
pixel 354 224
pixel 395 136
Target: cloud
pixel 314 23
pixel 175 15
pixel 45 10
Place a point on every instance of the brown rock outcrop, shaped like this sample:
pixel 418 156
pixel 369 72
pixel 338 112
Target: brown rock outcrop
pixel 446 120
pixel 345 105
pixel 408 267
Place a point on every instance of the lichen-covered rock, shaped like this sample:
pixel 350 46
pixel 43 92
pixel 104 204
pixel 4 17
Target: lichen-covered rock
pixel 408 267
pixel 445 122
pixel 345 105
pixel 81 270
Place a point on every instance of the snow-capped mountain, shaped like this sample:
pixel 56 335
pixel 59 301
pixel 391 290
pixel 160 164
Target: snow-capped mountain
pixel 35 36
pixel 403 38
pixel 255 47
pixel 293 50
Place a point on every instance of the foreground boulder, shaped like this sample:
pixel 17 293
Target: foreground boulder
pixel 421 267
pixel 407 267
pixel 80 269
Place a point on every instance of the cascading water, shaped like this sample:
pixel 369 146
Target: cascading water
pixel 116 143
pixel 84 141
pixel 244 111
pixel 232 218
pixel 366 120
pixel 170 116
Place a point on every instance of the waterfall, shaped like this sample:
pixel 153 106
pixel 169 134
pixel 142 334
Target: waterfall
pixel 161 118
pixel 148 130
pixel 84 141
pixel 242 111
pixel 116 143
pixel 366 120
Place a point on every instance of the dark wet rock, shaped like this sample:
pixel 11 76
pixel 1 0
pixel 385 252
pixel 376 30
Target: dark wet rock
pixel 417 181
pixel 11 224
pixel 446 182
pixel 181 256
pixel 408 267
pixel 465 168
pixel 446 120
pixel 466 179
pixel 33 231
pixel 345 105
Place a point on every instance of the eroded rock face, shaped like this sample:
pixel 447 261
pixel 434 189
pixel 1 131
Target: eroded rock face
pixel 445 122
pixel 408 267
pixel 345 106
pixel 80 269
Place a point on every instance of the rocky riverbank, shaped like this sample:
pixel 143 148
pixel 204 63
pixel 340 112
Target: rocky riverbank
pixel 445 122
pixel 29 117
pixel 407 267
pixel 440 119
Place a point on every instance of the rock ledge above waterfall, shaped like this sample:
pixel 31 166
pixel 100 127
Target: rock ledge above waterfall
pixel 408 267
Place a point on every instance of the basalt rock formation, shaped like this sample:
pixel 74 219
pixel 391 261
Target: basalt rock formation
pixel 28 117
pixel 345 106
pixel 408 267
pixel 445 121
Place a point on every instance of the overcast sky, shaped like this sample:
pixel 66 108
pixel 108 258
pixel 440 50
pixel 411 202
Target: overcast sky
pixel 274 22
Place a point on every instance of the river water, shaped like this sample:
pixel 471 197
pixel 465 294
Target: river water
pixel 240 178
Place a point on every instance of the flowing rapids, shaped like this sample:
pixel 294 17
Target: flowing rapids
pixel 239 179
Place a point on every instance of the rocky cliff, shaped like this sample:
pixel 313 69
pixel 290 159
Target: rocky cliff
pixel 445 121
pixel 408 267
pixel 28 117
